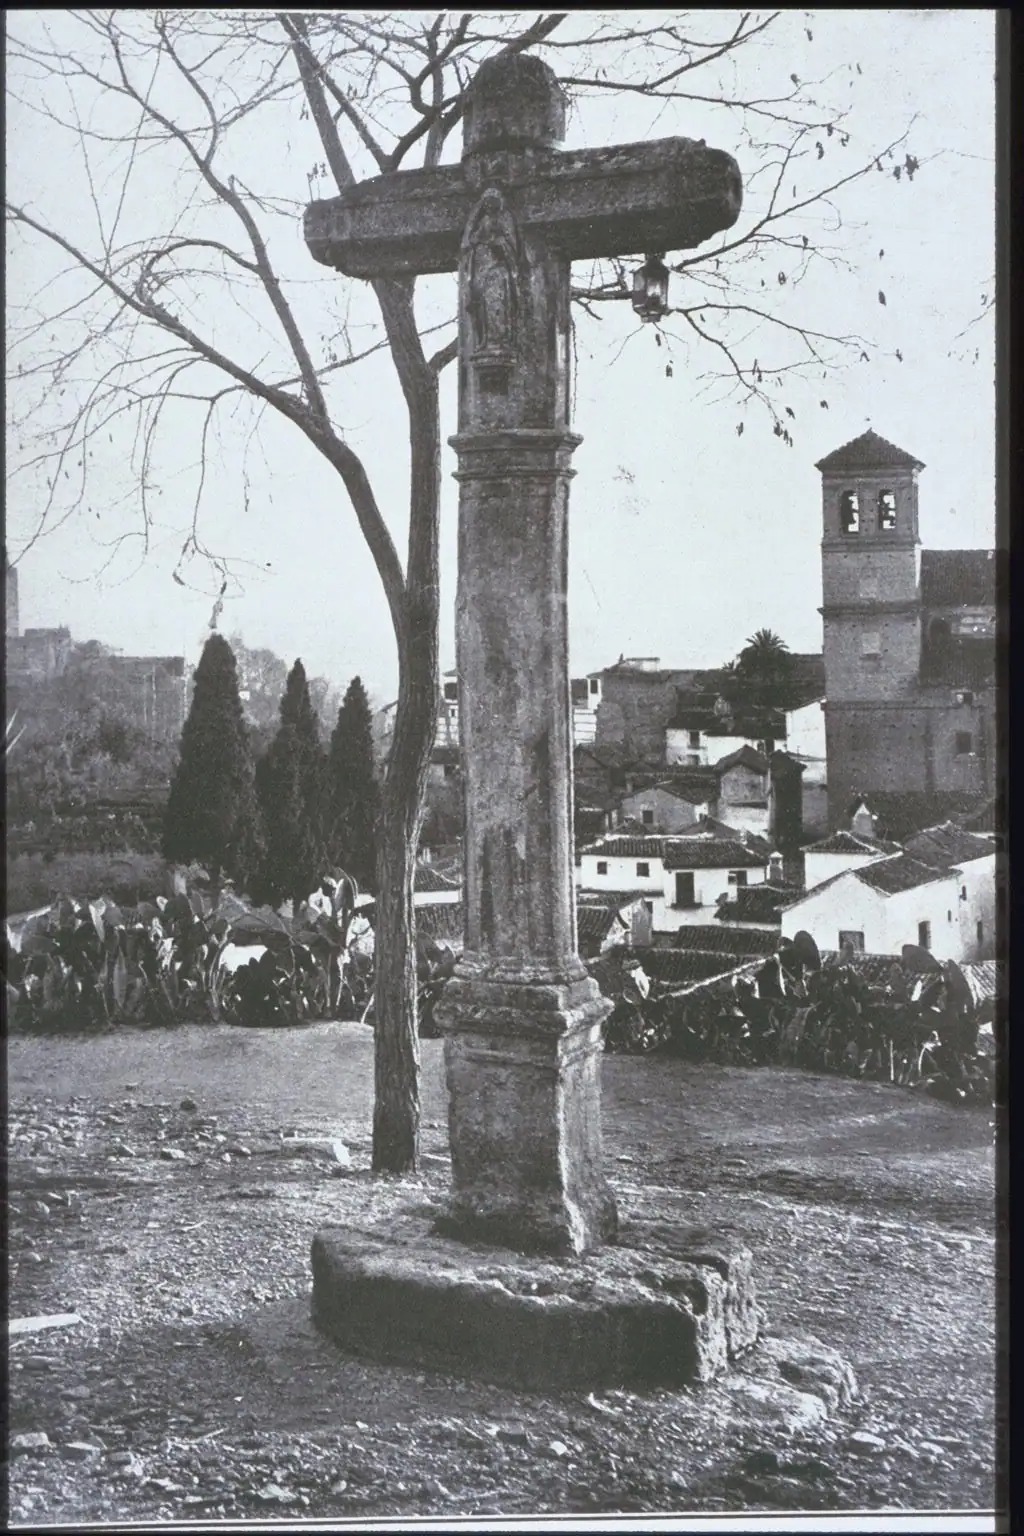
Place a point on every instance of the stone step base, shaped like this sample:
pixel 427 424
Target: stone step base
pixel 663 1307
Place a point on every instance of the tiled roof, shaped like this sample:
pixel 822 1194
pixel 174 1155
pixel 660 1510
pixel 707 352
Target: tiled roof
pixel 626 848
pixel 711 853
pixel 890 876
pixel 593 922
pixel 710 826
pixel 719 938
pixel 875 969
pixel 759 904
pixel 589 896
pixel 694 785
pixel 743 757
pixel 985 979
pixel 946 846
pixel 429 878
pixel 958 578
pixel 677 968
pixel 900 813
pixel 846 842
pixel 869 451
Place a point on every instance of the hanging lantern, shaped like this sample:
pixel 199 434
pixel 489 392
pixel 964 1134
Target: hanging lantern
pixel 650 289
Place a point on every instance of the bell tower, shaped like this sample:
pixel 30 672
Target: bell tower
pixel 870 570
pixel 876 734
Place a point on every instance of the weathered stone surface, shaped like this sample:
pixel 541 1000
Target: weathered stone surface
pixel 864 1444
pixel 624 1315
pixel 668 195
pixel 793 1411
pixel 812 1366
pixel 524 1120
pixel 30 1442
pixel 521 1016
pixel 514 103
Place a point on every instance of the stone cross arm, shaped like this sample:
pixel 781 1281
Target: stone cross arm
pixel 667 195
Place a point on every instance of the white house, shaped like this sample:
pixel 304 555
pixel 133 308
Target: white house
pixel 699 871
pixel 623 864
pixel 882 906
pixel 679 878
pixel 973 859
pixel 840 852
pixel 698 736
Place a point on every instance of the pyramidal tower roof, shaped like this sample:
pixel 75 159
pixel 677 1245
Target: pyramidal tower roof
pixel 869 451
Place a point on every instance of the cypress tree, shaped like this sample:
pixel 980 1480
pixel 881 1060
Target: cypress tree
pixel 212 810
pixel 353 797
pixel 290 780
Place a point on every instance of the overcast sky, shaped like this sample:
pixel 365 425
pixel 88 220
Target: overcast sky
pixel 685 535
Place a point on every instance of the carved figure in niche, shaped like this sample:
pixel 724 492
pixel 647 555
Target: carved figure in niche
pixel 493 254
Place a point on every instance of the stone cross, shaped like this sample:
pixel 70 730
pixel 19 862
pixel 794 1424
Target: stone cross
pixel 522 1017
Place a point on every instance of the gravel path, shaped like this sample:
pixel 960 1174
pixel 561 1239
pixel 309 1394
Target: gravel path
pixel 166 1186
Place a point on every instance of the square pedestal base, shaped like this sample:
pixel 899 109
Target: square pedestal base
pixel 523 1063
pixel 665 1307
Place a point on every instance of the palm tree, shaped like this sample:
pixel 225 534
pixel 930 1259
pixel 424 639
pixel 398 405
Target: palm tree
pixel 764 669
pixel 764 645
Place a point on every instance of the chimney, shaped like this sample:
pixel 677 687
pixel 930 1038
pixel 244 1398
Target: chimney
pixel 775 872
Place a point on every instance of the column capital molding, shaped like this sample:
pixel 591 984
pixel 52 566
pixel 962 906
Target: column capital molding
pixel 514 453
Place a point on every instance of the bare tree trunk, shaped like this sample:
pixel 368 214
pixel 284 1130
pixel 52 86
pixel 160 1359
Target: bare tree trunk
pixel 396 1110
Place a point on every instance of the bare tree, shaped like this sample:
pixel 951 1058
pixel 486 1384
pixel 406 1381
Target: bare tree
pixel 174 308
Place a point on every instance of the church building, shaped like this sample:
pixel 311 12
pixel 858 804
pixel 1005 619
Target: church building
pixel 909 639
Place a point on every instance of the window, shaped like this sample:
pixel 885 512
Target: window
pixel 694 739
pixel 685 894
pixel 649 907
pixel 963 893
pixel 594 684
pixel 643 869
pixel 737 877
pixel 870 643
pixel 949 917
pixel 693 759
pixel 602 866
pixel 981 933
pixel 453 713
pixel 869 586
pixel 647 817
pixel 849 512
pixel 451 690
pixel 886 511
pixel 849 939
pixel 964 743
pixel 449 770
pixel 924 935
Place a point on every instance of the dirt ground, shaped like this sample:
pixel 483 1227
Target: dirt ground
pixel 165 1186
